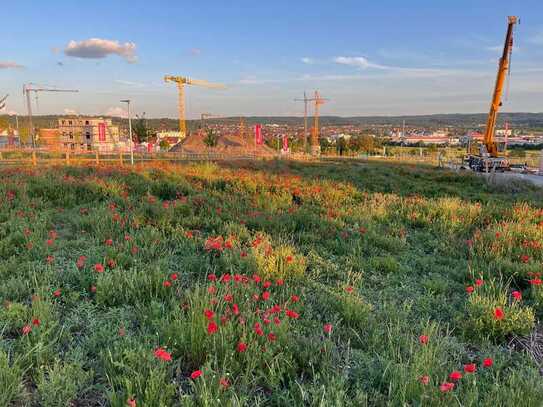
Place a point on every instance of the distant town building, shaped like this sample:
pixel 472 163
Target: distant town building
pixel 172 137
pixel 49 139
pixel 9 138
pixel 89 133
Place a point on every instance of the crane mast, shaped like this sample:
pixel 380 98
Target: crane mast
pixel 490 144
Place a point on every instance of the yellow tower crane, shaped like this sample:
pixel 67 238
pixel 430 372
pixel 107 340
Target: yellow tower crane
pixel 181 81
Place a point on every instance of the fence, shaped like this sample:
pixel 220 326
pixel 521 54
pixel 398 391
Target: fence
pixel 452 159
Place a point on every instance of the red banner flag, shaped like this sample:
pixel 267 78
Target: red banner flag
pixel 150 147
pixel 259 140
pixel 101 132
pixel 285 143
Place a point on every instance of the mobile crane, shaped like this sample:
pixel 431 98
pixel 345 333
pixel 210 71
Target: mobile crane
pixel 488 155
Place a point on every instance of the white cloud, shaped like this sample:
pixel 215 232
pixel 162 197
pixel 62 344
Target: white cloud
pixel 10 65
pixel 253 80
pixel 70 112
pixel 96 48
pixel 129 83
pixel 308 61
pixel 117 112
pixel 364 64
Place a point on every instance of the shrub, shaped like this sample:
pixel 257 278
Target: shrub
pixel 11 381
pixel 60 383
pixel 490 314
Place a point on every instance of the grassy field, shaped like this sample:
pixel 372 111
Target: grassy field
pixel 277 284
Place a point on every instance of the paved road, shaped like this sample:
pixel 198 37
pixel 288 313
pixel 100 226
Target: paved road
pixel 534 179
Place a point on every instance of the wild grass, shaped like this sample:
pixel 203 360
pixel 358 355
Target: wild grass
pixel 252 284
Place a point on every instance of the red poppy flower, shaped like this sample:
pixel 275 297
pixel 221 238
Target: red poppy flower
pixel 235 309
pixel 292 314
pixel 131 403
pixel 173 276
pixel 189 234
pixel 267 284
pixel 50 242
pixel 524 258
pixel 349 289
pixel 423 339
pixel 256 297
pixel 266 295
pixel 535 281
pixel 127 238
pixel 470 368
pixel 425 380
pixel 209 314
pixel 36 322
pixel 242 347
pixel 196 374
pixel 275 309
pixel 212 328
pixel 456 375
pixel 470 289
pixel 478 282
pixel 162 354
pixel 211 289
pixel 272 337
pixel 280 282
pixel 99 268
pixel 93 288
pixel 327 328
pixel 224 382
pixel 57 293
pixel 212 277
pixel 289 259
pixel 295 298
pixel 228 297
pixel 109 242
pixel 167 283
pixel 445 387
pixel 498 313
pixel 228 244
pixel 517 295
pixel 237 278
pixel 469 243
pixel 26 329
pixel 276 321
pixel 243 253
pixel 134 250
pixel 488 362
pixel 225 278
pixel 50 259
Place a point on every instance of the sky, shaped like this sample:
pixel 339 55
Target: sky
pixel 367 57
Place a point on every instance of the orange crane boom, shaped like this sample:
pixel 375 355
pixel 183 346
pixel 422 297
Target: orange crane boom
pixel 181 81
pixel 503 67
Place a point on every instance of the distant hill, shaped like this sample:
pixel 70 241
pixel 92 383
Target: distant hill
pixel 517 120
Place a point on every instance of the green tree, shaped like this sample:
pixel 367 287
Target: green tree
pixel 164 145
pixel 211 139
pixel 140 129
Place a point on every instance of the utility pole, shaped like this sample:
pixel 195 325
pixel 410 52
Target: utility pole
pixel 127 101
pixel 29 111
pixel 306 101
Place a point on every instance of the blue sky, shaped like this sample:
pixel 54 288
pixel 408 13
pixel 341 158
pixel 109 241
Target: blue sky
pixel 368 57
